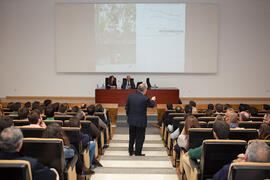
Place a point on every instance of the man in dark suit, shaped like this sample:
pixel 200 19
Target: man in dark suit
pixel 128 83
pixel 136 109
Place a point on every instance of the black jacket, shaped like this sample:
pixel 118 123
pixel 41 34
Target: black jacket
pixel 136 109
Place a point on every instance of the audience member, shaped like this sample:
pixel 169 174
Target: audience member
pixel 11 140
pixel 210 106
pixel 75 109
pixel 49 113
pixel 15 108
pixel 266 118
pixel 253 111
pixel 47 102
pixel 227 106
pixel 5 122
pixel 209 113
pixel 219 108
pixel 190 122
pixel 244 116
pixel 35 120
pixel 128 83
pixel 220 131
pixel 23 113
pixel 55 131
pixel 35 105
pixel 63 109
pixel 28 105
pixel 232 119
pixel 178 109
pixel 188 109
pixel 193 105
pixel 257 151
pixel 91 111
pixel 9 105
pixel 55 106
pixel 164 116
pixel 85 139
pixel 266 107
pixel 264 131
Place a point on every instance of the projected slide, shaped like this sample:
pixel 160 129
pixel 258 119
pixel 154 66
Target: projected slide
pixel 139 37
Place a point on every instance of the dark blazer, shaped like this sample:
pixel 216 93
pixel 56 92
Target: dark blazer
pixel 109 84
pixel 39 171
pixel 124 84
pixel 136 109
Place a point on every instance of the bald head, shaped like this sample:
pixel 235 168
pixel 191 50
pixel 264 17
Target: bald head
pixel 142 88
pixel 244 116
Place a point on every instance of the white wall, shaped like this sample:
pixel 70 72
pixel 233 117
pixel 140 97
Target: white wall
pixel 27 54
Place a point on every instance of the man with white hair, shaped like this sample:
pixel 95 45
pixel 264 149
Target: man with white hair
pixel 11 141
pixel 136 109
pixel 258 151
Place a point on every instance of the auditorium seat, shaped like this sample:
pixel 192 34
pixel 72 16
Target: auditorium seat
pixel 48 122
pixel 15 169
pixel 198 135
pixel 243 134
pixel 62 117
pixel 250 124
pixel 20 122
pixel 217 153
pixel 266 141
pixel 50 152
pixel 35 132
pixel 249 171
pixel 206 119
pixel 256 118
pixel 210 124
pixel 197 115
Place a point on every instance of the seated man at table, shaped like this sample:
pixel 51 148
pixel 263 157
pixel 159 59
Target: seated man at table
pixel 128 83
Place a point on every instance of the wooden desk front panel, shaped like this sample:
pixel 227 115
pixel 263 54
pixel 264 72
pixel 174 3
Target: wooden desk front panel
pixel 119 96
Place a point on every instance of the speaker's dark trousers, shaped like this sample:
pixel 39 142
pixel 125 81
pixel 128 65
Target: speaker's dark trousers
pixel 137 136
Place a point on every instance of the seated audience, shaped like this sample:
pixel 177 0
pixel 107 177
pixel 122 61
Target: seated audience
pixel 264 131
pixel 193 105
pixel 23 113
pixel 99 108
pixel 5 122
pixel 244 116
pixel 188 109
pixel 219 108
pixel 75 122
pixel 266 118
pixel 164 116
pixel 91 112
pixel 210 106
pixel 266 107
pixel 232 119
pixel 190 122
pixel 227 106
pixel 28 105
pixel 111 83
pixel 128 83
pixel 35 105
pixel 221 130
pixel 15 108
pixel 55 131
pixel 49 113
pixel 35 120
pixel 75 109
pixel 55 106
pixel 47 102
pixel 11 141
pixel 209 113
pixel 253 111
pixel 257 151
pixel 63 109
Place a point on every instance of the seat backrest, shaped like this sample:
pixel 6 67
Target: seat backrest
pixel 197 115
pixel 203 124
pixel 48 122
pixel 32 131
pixel 172 115
pixel 49 151
pixel 210 124
pixel 62 117
pixel 252 125
pixel 100 115
pixel 20 122
pixel 15 169
pixel 266 141
pixel 243 134
pixel 94 120
pixel 249 171
pixel 206 119
pixel 86 128
pixel 73 134
pixel 256 118
pixel 217 153
pixel 198 135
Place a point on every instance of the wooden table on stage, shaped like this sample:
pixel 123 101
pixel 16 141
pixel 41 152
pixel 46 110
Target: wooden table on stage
pixel 119 96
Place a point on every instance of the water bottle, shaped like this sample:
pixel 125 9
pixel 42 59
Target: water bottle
pixel 97 86
pixel 102 86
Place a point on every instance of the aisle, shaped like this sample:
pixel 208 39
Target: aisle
pixel 117 164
